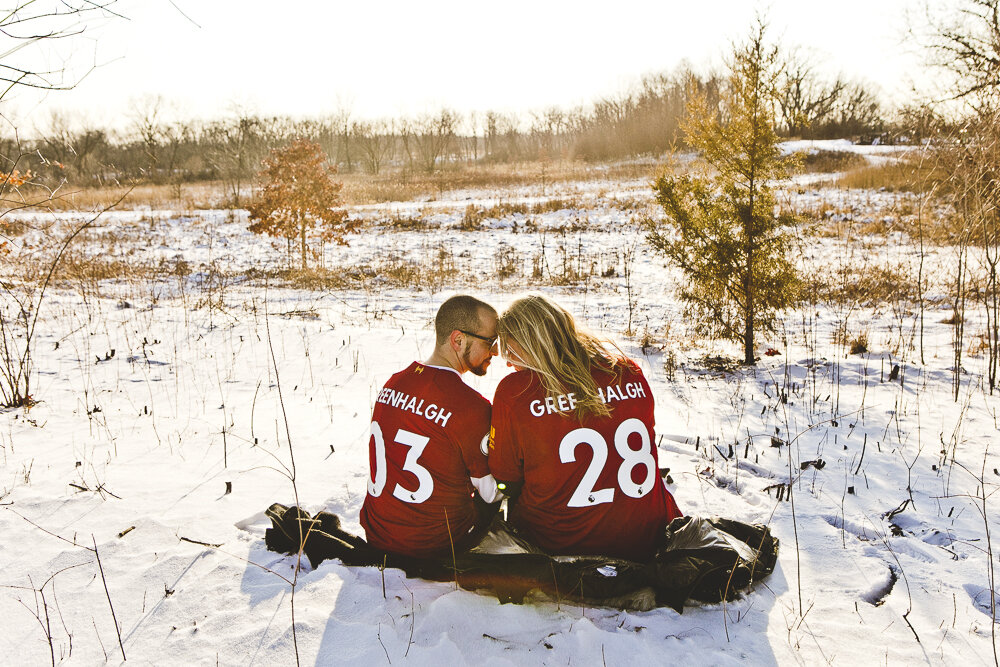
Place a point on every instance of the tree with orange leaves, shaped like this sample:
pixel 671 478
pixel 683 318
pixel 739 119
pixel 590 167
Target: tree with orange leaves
pixel 297 197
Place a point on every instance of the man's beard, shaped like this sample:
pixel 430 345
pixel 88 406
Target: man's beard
pixel 479 370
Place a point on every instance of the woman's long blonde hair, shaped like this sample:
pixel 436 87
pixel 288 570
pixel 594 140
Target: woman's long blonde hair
pixel 558 350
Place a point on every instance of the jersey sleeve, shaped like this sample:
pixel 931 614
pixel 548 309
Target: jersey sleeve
pixel 505 458
pixel 473 440
pixel 473 445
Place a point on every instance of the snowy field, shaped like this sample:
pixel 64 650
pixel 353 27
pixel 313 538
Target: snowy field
pixel 173 409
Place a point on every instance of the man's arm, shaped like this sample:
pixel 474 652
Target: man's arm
pixel 488 489
pixel 479 470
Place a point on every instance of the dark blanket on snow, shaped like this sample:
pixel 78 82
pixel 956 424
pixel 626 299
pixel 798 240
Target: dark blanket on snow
pixel 703 559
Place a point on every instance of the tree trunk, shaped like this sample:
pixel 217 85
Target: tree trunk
pixel 749 305
pixel 302 242
pixel 750 278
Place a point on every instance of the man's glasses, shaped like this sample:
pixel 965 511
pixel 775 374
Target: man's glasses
pixel 490 341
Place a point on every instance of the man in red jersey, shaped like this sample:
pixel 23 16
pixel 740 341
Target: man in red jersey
pixel 428 444
pixel 573 429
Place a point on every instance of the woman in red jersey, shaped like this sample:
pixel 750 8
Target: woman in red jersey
pixel 573 429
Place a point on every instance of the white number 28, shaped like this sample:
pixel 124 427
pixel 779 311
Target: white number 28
pixel 416 443
pixel 585 494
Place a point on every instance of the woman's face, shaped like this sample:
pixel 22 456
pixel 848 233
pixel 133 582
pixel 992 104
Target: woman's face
pixel 515 356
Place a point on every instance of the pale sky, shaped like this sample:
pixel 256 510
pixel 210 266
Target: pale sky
pixel 383 58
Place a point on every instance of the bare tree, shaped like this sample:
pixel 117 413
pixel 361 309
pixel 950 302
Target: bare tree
pixel 805 99
pixel 375 140
pixel 236 152
pixel 548 130
pixel 33 23
pixel 146 122
pixel 472 136
pixel 857 111
pixel 408 137
pixel 340 123
pixel 502 137
pixel 965 43
pixel 434 137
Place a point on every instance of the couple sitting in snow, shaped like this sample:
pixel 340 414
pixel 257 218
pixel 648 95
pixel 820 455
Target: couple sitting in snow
pixel 569 442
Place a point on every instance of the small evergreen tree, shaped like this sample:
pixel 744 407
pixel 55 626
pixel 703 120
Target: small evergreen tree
pixel 298 195
pixel 721 226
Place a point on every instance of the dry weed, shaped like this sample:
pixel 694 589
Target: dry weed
pixel 859 343
pixel 978 344
pixel 865 286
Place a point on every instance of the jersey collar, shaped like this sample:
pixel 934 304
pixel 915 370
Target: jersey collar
pixel 443 368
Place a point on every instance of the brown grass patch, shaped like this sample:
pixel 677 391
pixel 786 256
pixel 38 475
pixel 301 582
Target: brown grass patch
pixel 553 205
pixel 402 185
pixel 474 215
pixel 399 222
pixel 186 196
pixel 358 188
pixel 828 162
pixel 903 175
pixel 79 269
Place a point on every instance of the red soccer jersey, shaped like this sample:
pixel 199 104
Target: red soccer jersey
pixel 428 436
pixel 589 488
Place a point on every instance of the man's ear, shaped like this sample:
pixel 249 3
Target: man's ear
pixel 455 340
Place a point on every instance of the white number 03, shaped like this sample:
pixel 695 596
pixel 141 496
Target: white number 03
pixel 416 443
pixel 586 495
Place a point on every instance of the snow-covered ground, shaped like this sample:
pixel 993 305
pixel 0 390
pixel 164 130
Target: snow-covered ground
pixel 873 152
pixel 133 492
